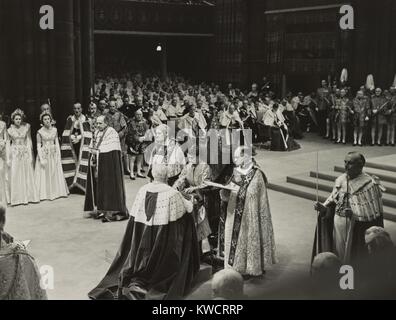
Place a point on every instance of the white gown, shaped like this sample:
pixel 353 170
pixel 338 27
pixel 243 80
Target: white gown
pixel 50 182
pixel 22 188
pixel 3 164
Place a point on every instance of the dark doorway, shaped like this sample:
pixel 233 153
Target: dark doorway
pixel 119 54
pixel 304 83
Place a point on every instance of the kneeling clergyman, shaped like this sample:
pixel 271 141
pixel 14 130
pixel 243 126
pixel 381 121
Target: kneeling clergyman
pixel 105 196
pixel 354 206
pixel 159 255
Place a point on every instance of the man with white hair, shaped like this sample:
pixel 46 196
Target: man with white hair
pixel 377 239
pixel 227 284
pixel 105 196
pixel 159 254
pixel 326 261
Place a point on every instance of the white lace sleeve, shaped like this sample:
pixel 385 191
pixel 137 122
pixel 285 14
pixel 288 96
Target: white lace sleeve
pixel 188 205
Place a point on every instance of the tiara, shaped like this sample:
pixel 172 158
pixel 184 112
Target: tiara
pixel 17 112
pixel 45 113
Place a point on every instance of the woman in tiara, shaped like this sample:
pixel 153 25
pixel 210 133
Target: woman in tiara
pixel 49 178
pixel 20 161
pixel 46 108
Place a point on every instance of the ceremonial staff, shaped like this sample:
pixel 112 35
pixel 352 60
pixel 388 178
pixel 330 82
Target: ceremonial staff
pixel 283 138
pixel 382 107
pixel 346 219
pixel 94 164
pixel 316 236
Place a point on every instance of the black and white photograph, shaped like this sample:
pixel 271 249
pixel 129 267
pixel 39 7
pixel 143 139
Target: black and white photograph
pixel 197 150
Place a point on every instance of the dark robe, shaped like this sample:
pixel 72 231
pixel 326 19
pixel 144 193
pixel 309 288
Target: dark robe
pixel 324 242
pixel 277 142
pixel 159 254
pixel 105 187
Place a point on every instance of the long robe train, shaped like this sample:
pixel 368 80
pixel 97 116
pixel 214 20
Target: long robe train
pixel 149 265
pixel 277 142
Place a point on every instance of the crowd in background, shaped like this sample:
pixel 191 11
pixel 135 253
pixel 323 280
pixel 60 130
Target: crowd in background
pixel 132 105
pixel 136 103
pixel 334 112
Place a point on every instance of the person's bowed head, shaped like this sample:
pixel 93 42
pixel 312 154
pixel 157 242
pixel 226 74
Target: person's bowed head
pixel 325 271
pixel 377 240
pixel 325 261
pixel 227 284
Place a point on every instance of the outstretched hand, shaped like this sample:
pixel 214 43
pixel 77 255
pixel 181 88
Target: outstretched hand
pixel 190 190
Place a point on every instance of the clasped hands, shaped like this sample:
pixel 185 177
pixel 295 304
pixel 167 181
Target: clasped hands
pixel 75 139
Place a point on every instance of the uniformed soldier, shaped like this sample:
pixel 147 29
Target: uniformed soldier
pixel 361 109
pixel 392 118
pixel 343 112
pixel 322 109
pixel 378 116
